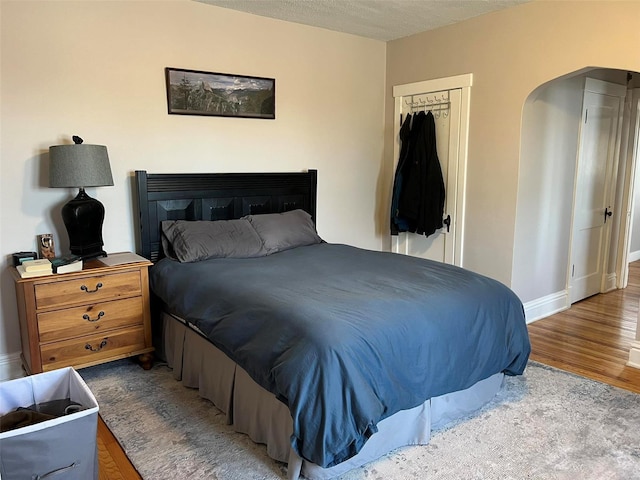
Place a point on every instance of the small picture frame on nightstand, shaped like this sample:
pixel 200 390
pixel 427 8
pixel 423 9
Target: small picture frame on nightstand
pixel 46 246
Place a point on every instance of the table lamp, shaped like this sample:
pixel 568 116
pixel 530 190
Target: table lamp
pixel 80 165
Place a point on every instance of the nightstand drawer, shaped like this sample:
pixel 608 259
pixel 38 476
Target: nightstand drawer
pixel 88 319
pixel 87 290
pixel 92 349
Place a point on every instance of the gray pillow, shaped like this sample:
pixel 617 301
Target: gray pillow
pixel 191 241
pixel 282 231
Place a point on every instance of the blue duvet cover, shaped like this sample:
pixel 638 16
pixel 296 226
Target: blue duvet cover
pixel 346 337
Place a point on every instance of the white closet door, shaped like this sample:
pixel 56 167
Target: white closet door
pixel 439 246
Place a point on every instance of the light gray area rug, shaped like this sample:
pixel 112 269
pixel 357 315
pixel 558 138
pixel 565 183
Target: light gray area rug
pixel 546 424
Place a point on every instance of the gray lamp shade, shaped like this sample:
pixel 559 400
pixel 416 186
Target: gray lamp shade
pixel 79 165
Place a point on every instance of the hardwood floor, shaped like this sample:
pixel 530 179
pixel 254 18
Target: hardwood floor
pixel 591 339
pixel 114 464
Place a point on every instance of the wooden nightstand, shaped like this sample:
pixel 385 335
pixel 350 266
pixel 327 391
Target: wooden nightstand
pixel 85 318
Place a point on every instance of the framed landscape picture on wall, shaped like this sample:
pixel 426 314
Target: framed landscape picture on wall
pixel 193 92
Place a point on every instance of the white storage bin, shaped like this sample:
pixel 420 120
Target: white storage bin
pixel 61 448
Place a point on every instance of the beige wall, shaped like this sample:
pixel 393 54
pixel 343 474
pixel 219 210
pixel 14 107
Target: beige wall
pixel 96 69
pixel 509 53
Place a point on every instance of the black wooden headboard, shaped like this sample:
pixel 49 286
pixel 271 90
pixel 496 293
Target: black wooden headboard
pixel 216 196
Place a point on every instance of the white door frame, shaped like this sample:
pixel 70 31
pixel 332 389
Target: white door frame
pixel 626 205
pixel 626 227
pixel 463 83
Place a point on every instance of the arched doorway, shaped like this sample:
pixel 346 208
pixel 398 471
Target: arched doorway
pixel 549 146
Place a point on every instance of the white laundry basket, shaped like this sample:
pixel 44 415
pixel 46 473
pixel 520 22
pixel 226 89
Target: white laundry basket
pixel 61 448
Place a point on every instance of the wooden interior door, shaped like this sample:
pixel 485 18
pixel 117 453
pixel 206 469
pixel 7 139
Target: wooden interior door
pixel 594 188
pixel 452 145
pixel 439 246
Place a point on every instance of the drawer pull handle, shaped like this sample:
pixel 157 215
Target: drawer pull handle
pixel 102 344
pixel 55 472
pixel 89 319
pixel 85 289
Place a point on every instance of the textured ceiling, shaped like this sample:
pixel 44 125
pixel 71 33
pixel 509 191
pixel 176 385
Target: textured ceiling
pixel 378 19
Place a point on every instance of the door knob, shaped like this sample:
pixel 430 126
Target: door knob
pixel 607 213
pixel 447 222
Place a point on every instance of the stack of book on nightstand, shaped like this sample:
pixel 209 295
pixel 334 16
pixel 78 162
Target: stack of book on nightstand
pixel 66 263
pixel 35 268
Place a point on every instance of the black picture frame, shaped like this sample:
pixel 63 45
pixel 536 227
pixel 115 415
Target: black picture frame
pixel 194 92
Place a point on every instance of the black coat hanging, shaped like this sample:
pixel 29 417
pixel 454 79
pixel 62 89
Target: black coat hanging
pixel 399 224
pixel 422 195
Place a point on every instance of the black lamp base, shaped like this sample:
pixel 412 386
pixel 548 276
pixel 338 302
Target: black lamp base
pixel 83 217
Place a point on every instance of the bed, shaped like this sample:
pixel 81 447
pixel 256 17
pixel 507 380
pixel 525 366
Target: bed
pixel 330 355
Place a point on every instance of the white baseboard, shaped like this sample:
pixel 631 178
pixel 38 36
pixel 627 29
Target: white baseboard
pixel 633 256
pixel 634 355
pixel 11 366
pixel 546 306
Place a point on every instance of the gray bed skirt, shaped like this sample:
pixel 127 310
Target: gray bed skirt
pixel 256 412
